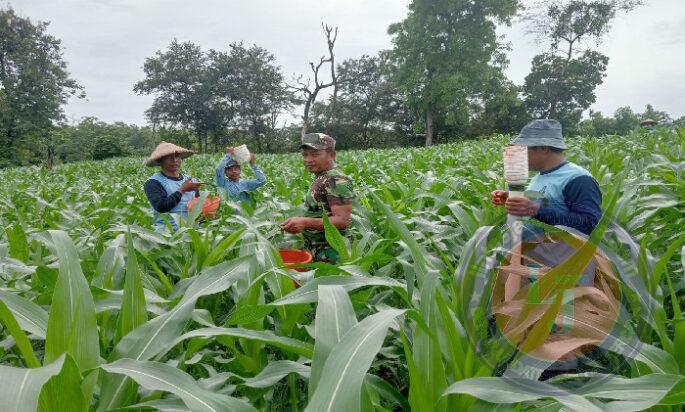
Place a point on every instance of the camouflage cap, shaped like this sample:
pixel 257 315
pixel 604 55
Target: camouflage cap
pixel 318 141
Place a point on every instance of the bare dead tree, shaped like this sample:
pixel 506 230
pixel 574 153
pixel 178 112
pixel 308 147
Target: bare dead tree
pixel 334 79
pixel 310 92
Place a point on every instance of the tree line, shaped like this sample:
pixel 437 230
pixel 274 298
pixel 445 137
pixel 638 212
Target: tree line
pixel 442 79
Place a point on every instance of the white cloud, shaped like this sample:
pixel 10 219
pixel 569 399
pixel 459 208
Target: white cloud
pixel 107 41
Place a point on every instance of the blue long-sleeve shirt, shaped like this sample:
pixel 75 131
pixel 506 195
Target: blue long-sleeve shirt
pixel 583 199
pixel 238 190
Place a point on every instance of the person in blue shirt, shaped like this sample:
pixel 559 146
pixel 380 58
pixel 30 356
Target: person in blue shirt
pixel 228 172
pixel 570 196
pixel 169 190
pixel 566 195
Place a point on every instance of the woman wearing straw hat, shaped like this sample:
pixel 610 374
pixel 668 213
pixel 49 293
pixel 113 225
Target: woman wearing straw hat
pixel 169 190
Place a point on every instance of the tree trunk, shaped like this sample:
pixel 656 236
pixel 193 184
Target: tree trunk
pixel 552 109
pixel 554 99
pixel 305 118
pixel 202 137
pixel 51 157
pixel 258 138
pixel 429 126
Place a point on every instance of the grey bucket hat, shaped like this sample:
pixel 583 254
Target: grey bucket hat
pixel 544 132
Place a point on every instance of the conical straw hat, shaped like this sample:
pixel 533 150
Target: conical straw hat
pixel 165 149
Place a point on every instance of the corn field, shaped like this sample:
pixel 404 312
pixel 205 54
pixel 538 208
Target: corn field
pixel 100 312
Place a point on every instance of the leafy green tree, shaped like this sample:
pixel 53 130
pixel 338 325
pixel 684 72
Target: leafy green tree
pixel 210 92
pixel 253 86
pixel 35 85
pixel 183 96
pixel 500 109
pixel 656 115
pixel 626 120
pixel 596 125
pixel 562 82
pixel 368 101
pixel 561 87
pixel 77 142
pixel 445 51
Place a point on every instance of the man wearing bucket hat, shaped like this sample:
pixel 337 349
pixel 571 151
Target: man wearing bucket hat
pixel 169 190
pixel 570 196
pixel 331 192
pixel 566 195
pixel 228 173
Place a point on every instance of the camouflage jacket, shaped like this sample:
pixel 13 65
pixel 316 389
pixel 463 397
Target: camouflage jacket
pixel 328 189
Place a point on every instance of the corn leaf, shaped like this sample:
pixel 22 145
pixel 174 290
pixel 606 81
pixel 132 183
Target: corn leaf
pixel 63 391
pixel 426 349
pixel 72 326
pixel 20 339
pixel 133 311
pixel 335 239
pixel 162 377
pixel 219 252
pixel 334 317
pixel 31 317
pixel 340 388
pixel 267 337
pixel 275 371
pixel 511 390
pixel 308 293
pixel 18 243
pixel 249 314
pixel 154 336
pixel 634 394
pixel 21 387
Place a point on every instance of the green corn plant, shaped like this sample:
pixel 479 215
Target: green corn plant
pixel 99 311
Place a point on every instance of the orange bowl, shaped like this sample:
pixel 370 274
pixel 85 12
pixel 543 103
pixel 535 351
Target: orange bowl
pixel 294 257
pixel 209 208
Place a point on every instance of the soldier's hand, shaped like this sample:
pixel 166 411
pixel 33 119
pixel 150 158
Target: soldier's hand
pixel 253 159
pixel 294 225
pixel 230 150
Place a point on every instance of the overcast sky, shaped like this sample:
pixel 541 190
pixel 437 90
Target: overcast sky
pixel 107 41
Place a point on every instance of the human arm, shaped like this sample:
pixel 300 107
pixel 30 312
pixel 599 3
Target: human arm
pixel 339 194
pixel 339 217
pixel 220 177
pixel 163 203
pixel 583 199
pixel 158 198
pixel 252 184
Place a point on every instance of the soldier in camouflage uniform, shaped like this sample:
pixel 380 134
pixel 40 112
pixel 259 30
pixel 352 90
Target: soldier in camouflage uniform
pixel 331 192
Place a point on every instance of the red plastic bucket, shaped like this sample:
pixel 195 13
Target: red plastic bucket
pixel 209 208
pixel 293 257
